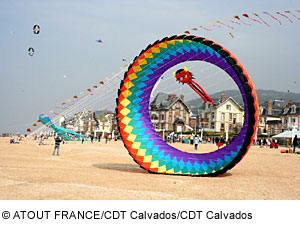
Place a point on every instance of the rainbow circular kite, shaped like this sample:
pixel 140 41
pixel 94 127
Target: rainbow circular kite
pixel 139 137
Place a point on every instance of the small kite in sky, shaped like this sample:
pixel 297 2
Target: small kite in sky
pixel 99 41
pixel 292 14
pixel 228 19
pixel 224 24
pixel 31 51
pixel 246 15
pixel 65 76
pixel 238 18
pixel 255 14
pixel 273 17
pixel 285 16
pixel 231 35
pixel 36 29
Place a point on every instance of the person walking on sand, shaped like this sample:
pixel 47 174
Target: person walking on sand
pixel 106 138
pixel 82 140
pixel 92 138
pixel 295 143
pixel 196 142
pixel 57 144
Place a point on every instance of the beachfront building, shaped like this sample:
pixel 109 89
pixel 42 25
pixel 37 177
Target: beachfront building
pixel 290 116
pixel 85 122
pixel 67 122
pixel 106 122
pixel 169 112
pixel 269 121
pixel 225 114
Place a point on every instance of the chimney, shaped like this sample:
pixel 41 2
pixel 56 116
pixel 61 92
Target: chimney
pixel 269 108
pixel 182 97
pixel 223 97
pixel 291 102
pixel 169 97
pixel 174 97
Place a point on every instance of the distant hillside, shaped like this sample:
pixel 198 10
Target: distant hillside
pixel 262 95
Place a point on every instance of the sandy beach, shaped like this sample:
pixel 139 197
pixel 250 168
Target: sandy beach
pixel 106 171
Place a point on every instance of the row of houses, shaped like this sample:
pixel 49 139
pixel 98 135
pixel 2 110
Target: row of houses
pixel 277 116
pixel 90 122
pixel 171 113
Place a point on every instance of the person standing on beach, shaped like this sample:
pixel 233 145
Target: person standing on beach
pixel 57 144
pixel 106 138
pixel 82 140
pixel 295 143
pixel 92 138
pixel 196 142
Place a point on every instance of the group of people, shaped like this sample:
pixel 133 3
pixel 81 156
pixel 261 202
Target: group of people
pixel 273 143
pixel 98 138
pixel 58 140
pixel 194 140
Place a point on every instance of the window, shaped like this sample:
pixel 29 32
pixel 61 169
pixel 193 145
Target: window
pixel 177 110
pixel 212 125
pixel 230 116
pixel 223 116
pixel 153 117
pixel 162 116
pixel 162 126
pixel 228 107
pixel 212 116
pixel 293 109
pixel 222 125
pixel 293 120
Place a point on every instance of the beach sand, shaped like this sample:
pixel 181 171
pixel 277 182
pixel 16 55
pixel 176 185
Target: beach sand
pixel 106 171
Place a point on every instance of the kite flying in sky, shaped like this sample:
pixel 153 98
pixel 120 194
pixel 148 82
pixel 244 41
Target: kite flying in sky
pixel 36 29
pixel 185 77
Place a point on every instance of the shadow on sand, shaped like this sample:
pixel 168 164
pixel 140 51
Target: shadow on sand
pixel 121 167
pixel 135 169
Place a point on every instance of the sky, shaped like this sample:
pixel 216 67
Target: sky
pixel 68 60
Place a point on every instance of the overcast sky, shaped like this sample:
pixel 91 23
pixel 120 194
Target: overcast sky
pixel 68 59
